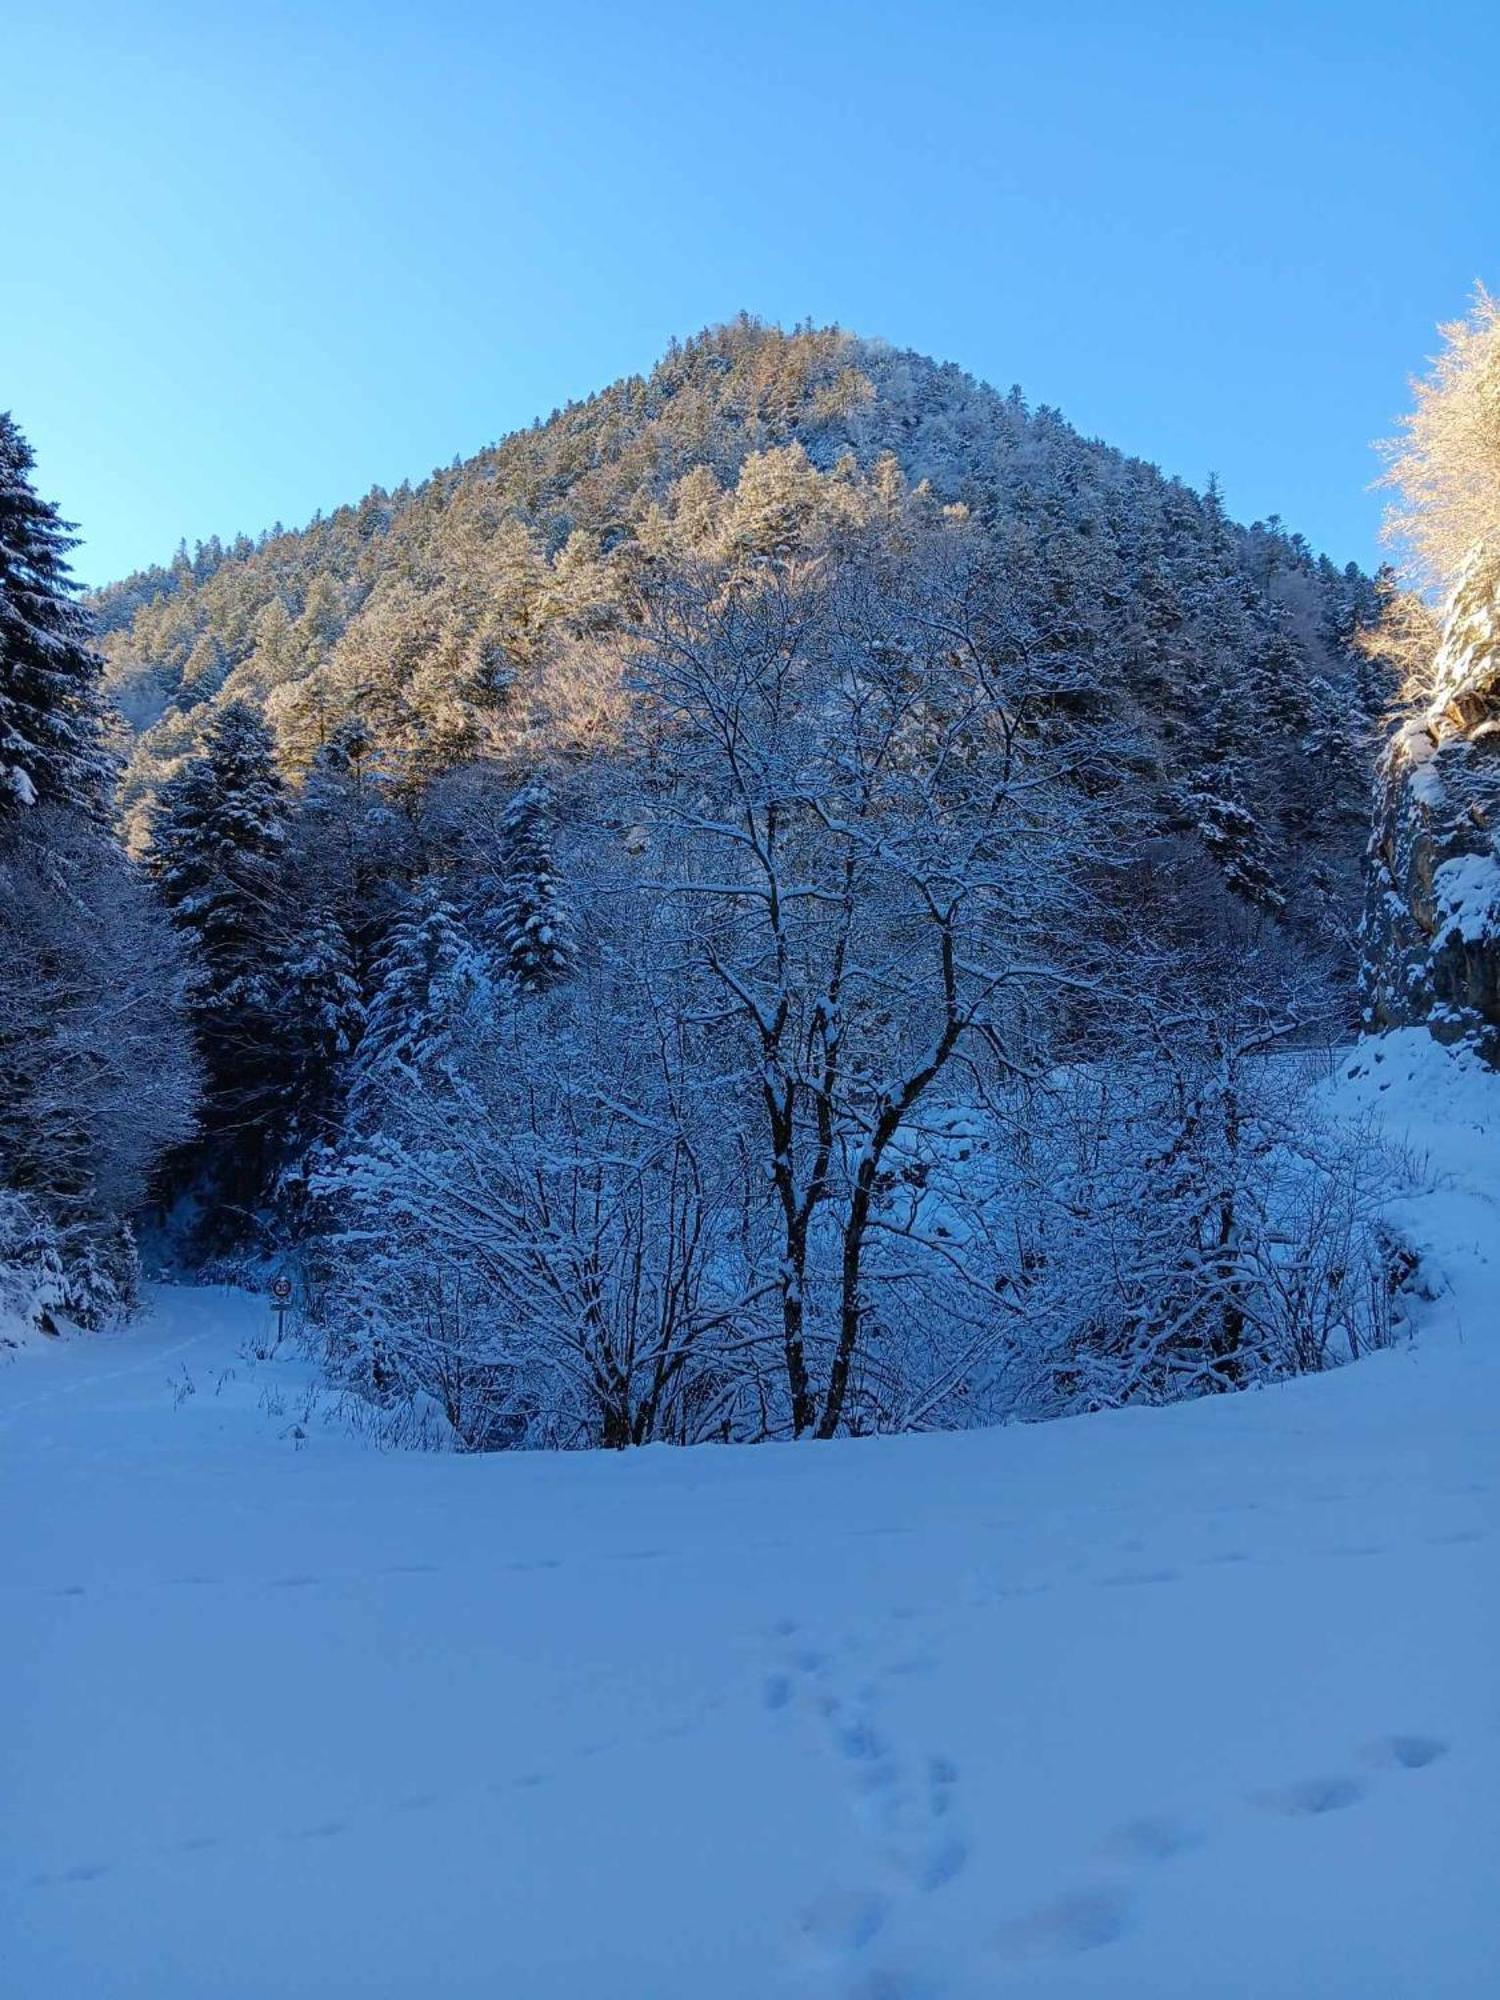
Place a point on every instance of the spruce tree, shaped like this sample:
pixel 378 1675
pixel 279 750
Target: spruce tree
pixel 51 738
pixel 427 980
pixel 534 922
pixel 217 847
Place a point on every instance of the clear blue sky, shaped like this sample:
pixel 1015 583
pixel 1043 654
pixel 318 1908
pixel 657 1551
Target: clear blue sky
pixel 259 258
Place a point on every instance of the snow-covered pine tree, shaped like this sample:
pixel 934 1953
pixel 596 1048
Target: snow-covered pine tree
pixel 534 921
pixel 322 1014
pixel 427 981
pixel 218 839
pixel 51 738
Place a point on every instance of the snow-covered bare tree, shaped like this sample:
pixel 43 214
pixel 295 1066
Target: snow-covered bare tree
pixel 863 833
pixel 1445 467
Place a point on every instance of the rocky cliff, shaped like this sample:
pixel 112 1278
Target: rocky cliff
pixel 1432 917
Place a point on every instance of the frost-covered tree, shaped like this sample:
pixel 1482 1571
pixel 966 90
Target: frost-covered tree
pixel 96 1077
pixel 533 919
pixel 51 737
pixel 218 845
pixel 428 984
pixel 1445 467
pixel 96 1069
pixel 863 841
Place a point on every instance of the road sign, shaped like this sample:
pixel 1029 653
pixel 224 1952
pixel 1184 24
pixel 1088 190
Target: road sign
pixel 281 1290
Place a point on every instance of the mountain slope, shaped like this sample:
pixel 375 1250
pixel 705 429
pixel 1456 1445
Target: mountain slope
pixel 1160 1703
pixel 475 615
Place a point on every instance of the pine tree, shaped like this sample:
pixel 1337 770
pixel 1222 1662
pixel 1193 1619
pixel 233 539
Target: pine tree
pixel 51 739
pixel 533 920
pixel 218 839
pixel 322 1015
pixel 428 979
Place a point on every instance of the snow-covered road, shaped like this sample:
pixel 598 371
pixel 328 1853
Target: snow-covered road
pixel 1201 1702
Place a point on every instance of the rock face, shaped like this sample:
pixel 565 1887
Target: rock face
pixel 1432 916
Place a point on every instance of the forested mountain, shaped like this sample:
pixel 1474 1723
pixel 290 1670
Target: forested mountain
pixel 474 615
pixel 758 907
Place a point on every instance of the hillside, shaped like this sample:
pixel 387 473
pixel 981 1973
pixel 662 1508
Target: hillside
pixel 476 615
pixel 1157 1704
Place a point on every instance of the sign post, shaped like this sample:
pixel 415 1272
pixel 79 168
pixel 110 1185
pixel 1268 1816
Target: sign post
pixel 281 1293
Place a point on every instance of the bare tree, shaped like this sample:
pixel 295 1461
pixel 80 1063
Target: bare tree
pixel 1445 466
pixel 841 791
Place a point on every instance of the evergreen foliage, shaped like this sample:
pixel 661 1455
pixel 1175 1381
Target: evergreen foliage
pixel 479 614
pixel 533 920
pixel 219 841
pixel 96 1078
pixel 51 734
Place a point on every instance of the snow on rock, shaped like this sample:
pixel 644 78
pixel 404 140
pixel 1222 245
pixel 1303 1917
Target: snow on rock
pixel 1466 892
pixel 1168 1703
pixel 1432 913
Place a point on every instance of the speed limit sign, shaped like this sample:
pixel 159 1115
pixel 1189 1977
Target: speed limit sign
pixel 281 1290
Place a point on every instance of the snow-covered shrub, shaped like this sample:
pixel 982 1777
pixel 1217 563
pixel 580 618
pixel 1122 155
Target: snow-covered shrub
pixel 1188 1222
pixel 533 1231
pixel 32 1288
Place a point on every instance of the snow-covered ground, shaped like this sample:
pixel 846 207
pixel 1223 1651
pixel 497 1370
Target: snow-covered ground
pixel 1200 1702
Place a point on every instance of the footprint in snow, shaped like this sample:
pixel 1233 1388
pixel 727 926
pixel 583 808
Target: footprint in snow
pixel 1404 1753
pixel 1308 1798
pixel 842 1920
pixel 1152 1837
pixel 886 1982
pixel 777 1691
pixel 1127 1579
pixel 1083 1919
pixel 860 1743
pixel 80 1871
pixel 912 1829
pixel 935 1863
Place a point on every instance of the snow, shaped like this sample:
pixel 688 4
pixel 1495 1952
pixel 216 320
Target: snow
pixel 1466 891
pixel 1173 1703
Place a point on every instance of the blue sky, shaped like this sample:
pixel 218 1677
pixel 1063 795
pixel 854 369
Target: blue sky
pixel 264 257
